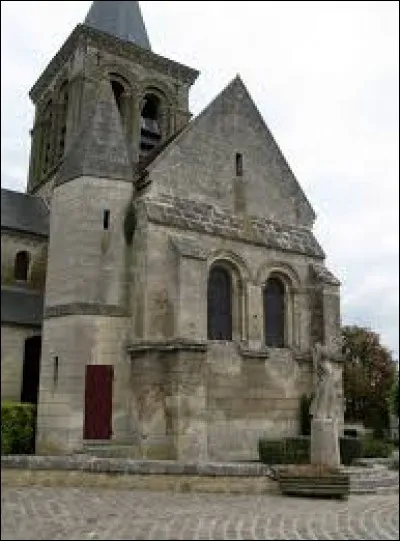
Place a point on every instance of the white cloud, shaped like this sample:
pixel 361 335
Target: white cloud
pixel 325 76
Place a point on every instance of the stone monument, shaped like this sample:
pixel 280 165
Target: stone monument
pixel 325 407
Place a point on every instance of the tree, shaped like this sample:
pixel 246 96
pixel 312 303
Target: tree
pixel 394 398
pixel 368 377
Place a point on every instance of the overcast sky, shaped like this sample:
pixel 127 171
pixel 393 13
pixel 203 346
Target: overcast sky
pixel 325 76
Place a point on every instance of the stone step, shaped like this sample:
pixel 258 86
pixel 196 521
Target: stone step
pixel 105 450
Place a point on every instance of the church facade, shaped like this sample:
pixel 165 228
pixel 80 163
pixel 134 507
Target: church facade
pixel 168 272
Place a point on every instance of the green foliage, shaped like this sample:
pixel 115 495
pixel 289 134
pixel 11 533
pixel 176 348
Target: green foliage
pixel 294 450
pixel 394 396
pixel 297 450
pixel 373 448
pixel 368 376
pixel 350 449
pixel 271 451
pixel 17 428
pixel 305 417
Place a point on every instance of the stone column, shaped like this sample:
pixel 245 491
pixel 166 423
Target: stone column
pixel 255 316
pixel 325 442
pixel 190 421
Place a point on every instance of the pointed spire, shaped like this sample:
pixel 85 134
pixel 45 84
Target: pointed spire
pixel 121 19
pixel 100 150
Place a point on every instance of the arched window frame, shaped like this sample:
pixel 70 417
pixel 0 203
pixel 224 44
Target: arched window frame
pixel 296 334
pixel 282 339
pixel 238 274
pixel 47 139
pixel 63 97
pixel 124 106
pixel 162 117
pixel 21 266
pixel 221 330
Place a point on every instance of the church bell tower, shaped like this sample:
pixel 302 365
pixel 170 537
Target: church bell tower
pixel 111 48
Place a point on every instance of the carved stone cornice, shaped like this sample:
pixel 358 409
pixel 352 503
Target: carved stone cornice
pixel 86 35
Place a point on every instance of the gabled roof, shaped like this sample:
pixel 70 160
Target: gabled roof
pixel 21 306
pixel 120 19
pixel 237 94
pixel 24 213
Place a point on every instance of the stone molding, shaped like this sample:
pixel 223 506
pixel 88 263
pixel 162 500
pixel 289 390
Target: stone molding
pixel 84 309
pixel 188 248
pixel 166 345
pixel 205 218
pixel 83 34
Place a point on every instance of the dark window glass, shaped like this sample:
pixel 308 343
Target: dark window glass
pixel 118 91
pixel 219 301
pixel 106 219
pixel 239 165
pixel 21 266
pixel 274 313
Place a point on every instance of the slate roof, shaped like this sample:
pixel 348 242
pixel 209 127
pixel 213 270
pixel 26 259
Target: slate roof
pixel 21 306
pixel 120 19
pixel 25 213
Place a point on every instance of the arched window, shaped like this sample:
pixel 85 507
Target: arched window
pixel 63 119
pixel 121 90
pixel 219 304
pixel 21 266
pixel 150 129
pixel 118 91
pixel 274 313
pixel 47 149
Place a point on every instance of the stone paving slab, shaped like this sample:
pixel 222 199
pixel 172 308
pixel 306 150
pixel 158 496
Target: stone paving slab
pixel 88 513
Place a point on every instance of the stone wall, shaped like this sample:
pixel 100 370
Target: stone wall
pixel 12 359
pixel 13 242
pixel 201 163
pixel 79 341
pixel 177 271
pixel 213 401
pixel 86 262
pixel 249 397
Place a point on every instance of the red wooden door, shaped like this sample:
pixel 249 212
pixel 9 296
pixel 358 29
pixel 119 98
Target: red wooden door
pixel 98 402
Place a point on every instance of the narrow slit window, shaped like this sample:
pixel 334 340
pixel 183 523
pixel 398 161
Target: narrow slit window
pixel 239 164
pixel 55 373
pixel 106 219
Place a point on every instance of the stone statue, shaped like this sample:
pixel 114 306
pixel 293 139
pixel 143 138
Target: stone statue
pixel 325 407
pixel 326 401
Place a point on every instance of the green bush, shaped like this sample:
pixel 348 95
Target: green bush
pixel 350 449
pixel 373 448
pixel 294 450
pixel 17 428
pixel 297 450
pixel 271 451
pixel 305 417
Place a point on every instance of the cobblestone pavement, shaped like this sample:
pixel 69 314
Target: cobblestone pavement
pixel 74 513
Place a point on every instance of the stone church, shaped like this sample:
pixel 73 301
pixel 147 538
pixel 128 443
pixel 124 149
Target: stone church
pixel 162 288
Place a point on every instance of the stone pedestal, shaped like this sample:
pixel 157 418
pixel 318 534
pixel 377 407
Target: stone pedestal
pixel 325 442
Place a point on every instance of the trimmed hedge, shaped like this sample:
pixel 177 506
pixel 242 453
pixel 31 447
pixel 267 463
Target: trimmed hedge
pixel 304 414
pixel 271 451
pixel 17 428
pixel 296 450
pixel 350 449
pixel 373 448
